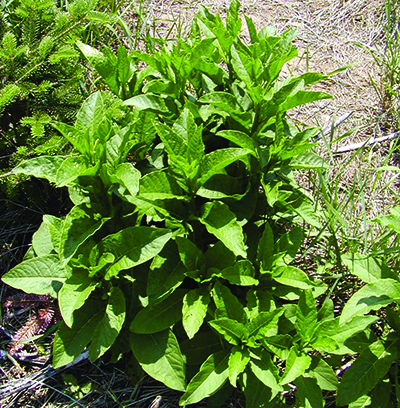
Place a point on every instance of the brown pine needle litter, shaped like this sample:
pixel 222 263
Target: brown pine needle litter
pixel 331 34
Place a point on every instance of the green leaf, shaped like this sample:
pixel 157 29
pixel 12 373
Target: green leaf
pixel 221 222
pixel 191 256
pixel 54 226
pixel 73 294
pixel 104 65
pixel 212 375
pixel 90 116
pixel 308 393
pixel 238 360
pixel 371 365
pixel 242 273
pixel 306 322
pixel 342 333
pixel 265 249
pixel 70 169
pixel 294 277
pixel 256 393
pixel 41 167
pixel 194 310
pixel 296 365
pixel 150 102
pixel 367 268
pixel 109 326
pixel 219 256
pixel 41 241
pixel 266 371
pixel 303 97
pixel 79 225
pixel 161 316
pixel 132 246
pixel 265 324
pixel 241 139
pixel 42 276
pixel 228 306
pixel 233 331
pixel 129 176
pixel 160 357
pixel 372 296
pixel 166 273
pixel 70 342
pixel 159 185
pixel 217 160
pixel 392 220
pixel 323 373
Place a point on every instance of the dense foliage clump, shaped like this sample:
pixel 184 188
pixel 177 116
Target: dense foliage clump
pixel 187 221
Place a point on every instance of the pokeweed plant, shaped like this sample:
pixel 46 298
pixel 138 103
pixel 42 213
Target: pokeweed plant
pixel 187 220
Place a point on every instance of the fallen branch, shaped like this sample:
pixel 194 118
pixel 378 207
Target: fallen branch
pixel 369 142
pixel 328 129
pixel 37 378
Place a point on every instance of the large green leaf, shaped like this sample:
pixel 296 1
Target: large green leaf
pixel 151 102
pixel 265 249
pixel 296 364
pixel 70 342
pixel 294 277
pixel 265 324
pixel 342 333
pixel 217 160
pixel 160 356
pixel 266 371
pixel 306 322
pixel 40 167
pixel 372 296
pixel 109 326
pixel 323 373
pixel 308 393
pixel 242 273
pixel 194 310
pixel 166 273
pixel 257 394
pixel 132 246
pixel 41 241
pixel 371 365
pixel 221 222
pixel 240 139
pixel 392 220
pixel 211 377
pixel 158 185
pixel 227 304
pixel 105 65
pixel 79 225
pixel 367 268
pixel 161 316
pixel 233 331
pixel 73 294
pixel 90 116
pixel 43 275
pixel 238 360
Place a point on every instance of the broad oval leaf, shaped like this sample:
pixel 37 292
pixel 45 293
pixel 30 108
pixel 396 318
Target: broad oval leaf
pixel 109 326
pixel 212 375
pixel 43 275
pixel 41 167
pixel 70 342
pixel 194 310
pixel 372 296
pixel 76 289
pixel 160 357
pixel 371 365
pixel 161 316
pixel 133 246
pixel 222 223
